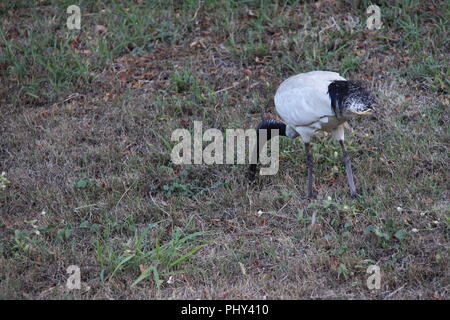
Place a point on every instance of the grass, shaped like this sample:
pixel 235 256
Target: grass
pixel 162 260
pixel 87 118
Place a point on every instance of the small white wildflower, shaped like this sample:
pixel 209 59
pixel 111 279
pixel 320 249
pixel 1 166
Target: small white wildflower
pixel 3 173
pixel 241 265
pixel 423 213
pixel 171 280
pixel 399 209
pixel 259 213
pixel 414 230
pixel 346 207
pixel 129 243
pixel 329 198
pixel 436 222
pixel 37 232
pixel 43 212
pixel 335 154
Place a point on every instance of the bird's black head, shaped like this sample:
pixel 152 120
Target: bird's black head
pixel 348 97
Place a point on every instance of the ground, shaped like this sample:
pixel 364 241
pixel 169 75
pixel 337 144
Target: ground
pixel 86 120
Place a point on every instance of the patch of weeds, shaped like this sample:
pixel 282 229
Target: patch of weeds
pixel 349 65
pixel 330 208
pixel 185 105
pixel 388 234
pixel 192 189
pixel 147 251
pixel 84 183
pixel 26 241
pixel 90 227
pixel 302 219
pixel 342 271
pixel 44 65
pixel 379 232
pixel 178 188
pixel 63 234
pixel 284 196
pixel 184 184
pixel 340 251
pixel 432 71
pixel 136 28
pixel 254 52
pixel 182 81
pixel 189 95
pixel 326 153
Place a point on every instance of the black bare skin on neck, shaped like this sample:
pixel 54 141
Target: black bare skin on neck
pixel 268 125
pixel 342 91
pixel 271 124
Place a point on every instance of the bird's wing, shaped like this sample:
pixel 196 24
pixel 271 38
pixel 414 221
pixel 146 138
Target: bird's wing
pixel 313 78
pixel 303 99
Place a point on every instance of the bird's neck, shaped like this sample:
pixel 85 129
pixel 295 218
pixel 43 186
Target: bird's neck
pixel 272 124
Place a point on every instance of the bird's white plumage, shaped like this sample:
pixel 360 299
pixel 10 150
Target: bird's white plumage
pixel 303 102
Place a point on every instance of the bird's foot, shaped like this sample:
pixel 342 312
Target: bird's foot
pixel 354 196
pixel 312 195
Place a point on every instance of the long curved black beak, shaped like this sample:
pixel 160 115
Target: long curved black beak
pixel 267 125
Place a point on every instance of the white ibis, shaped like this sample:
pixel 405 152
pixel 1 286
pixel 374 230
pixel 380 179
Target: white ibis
pixel 317 101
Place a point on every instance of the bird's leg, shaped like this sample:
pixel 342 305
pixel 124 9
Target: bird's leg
pixel 348 169
pixel 309 165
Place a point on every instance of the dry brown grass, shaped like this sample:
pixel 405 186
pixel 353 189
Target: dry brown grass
pixel 110 130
